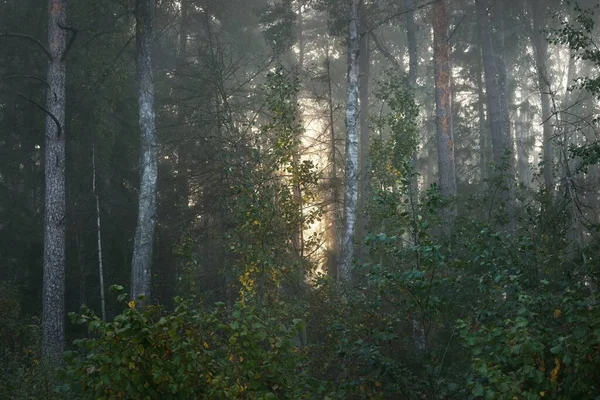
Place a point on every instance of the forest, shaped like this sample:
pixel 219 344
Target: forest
pixel 299 199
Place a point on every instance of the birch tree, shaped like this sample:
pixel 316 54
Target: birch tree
pixel 351 170
pixel 144 234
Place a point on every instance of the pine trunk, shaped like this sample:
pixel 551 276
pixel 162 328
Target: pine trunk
pixel 497 112
pixel 54 215
pixel 540 45
pixel 445 140
pixel 364 58
pixel 144 234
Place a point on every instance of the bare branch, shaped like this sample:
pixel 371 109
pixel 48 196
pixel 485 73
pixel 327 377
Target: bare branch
pixel 33 77
pixel 73 37
pixel 48 113
pixel 383 50
pixel 399 14
pixel 31 39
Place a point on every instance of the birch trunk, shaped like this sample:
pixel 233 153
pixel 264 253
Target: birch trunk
pixel 351 177
pixel 98 233
pixel 144 234
pixel 445 140
pixel 54 213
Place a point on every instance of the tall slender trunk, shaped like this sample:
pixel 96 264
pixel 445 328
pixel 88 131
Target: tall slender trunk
pixel 483 143
pixel 98 232
pixel 144 234
pixel 497 112
pixel 364 59
pixel 183 182
pixel 298 68
pixel 411 36
pixel 351 177
pixel 538 39
pixel 53 313
pixel 335 201
pixel 522 155
pixel 445 140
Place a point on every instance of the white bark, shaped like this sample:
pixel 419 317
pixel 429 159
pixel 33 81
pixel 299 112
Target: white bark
pixel 98 233
pixel 351 178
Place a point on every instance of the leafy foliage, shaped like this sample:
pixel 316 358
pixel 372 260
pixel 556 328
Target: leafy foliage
pixel 238 352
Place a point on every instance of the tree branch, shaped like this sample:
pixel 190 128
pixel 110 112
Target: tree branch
pixel 31 39
pixel 399 14
pixel 70 43
pixel 56 121
pixel 35 78
pixel 383 50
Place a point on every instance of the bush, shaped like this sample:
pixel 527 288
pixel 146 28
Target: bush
pixel 190 353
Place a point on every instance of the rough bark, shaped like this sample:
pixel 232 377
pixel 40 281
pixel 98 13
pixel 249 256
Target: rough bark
pixel 364 59
pixel 411 36
pixel 483 159
pixel 298 68
pixel 351 170
pixel 445 140
pixel 497 113
pixel 183 182
pixel 540 45
pixel 54 212
pixel 144 234
pixel 522 155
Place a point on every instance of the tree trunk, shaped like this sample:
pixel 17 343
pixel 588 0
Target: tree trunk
pixel 483 143
pixel 98 232
pixel 351 177
pixel 522 155
pixel 54 214
pixel 183 182
pixel 144 234
pixel 411 37
pixel 334 240
pixel 497 113
pixel 364 58
pixel 445 140
pixel 538 39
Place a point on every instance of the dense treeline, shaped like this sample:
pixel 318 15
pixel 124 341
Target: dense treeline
pixel 299 199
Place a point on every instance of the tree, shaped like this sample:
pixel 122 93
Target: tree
pixel 494 68
pixel 144 234
pixel 364 67
pixel 445 139
pixel 540 45
pixel 351 177
pixel 54 210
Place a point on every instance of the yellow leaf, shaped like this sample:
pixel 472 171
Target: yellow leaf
pixel 557 313
pixel 131 304
pixel 205 345
pixel 555 371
